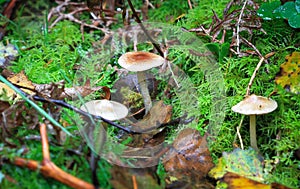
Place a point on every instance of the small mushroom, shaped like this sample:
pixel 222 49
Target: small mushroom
pixel 107 109
pixel 140 62
pixel 254 105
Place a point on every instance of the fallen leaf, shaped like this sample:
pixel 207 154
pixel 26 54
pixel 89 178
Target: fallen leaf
pixel 235 181
pixel 160 113
pixel 6 93
pixel 58 91
pixel 247 163
pixel 53 90
pixel 289 76
pixel 190 159
pixel 19 114
pixel 21 80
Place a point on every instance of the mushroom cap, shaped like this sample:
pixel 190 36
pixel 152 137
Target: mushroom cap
pixel 107 109
pixel 140 61
pixel 255 105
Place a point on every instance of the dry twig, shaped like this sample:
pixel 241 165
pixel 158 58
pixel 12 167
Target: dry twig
pixel 48 168
pixel 238 28
pixel 244 19
pixel 58 14
pixel 253 76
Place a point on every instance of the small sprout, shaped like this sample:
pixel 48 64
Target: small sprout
pixel 254 105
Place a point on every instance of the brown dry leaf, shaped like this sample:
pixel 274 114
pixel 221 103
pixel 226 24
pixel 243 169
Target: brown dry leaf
pixel 235 181
pixel 289 76
pixel 53 90
pixel 58 91
pixel 160 113
pixel 17 115
pixel 21 80
pixel 190 158
pixel 72 93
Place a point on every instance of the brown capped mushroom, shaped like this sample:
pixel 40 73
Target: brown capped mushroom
pixel 140 62
pixel 107 109
pixel 254 105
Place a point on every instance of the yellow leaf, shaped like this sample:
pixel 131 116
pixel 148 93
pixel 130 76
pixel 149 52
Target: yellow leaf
pixel 235 181
pixel 7 92
pixel 289 76
pixel 21 81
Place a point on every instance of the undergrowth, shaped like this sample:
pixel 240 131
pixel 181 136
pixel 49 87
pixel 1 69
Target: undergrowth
pixel 50 56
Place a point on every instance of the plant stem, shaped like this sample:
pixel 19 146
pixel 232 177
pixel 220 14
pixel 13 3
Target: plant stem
pixel 253 141
pixel 144 90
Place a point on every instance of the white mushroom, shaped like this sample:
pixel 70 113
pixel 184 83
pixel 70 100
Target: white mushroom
pixel 107 109
pixel 254 105
pixel 140 62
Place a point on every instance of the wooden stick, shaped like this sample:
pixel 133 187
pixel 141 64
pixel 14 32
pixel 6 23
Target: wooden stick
pixel 48 168
pixel 238 133
pixel 238 28
pixel 190 4
pixel 253 76
pixel 135 186
pixel 138 20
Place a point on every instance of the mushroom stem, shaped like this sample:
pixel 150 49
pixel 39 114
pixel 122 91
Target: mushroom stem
pixel 144 90
pixel 253 141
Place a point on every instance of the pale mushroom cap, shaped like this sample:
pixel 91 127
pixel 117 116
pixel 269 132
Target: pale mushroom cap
pixel 107 109
pixel 255 105
pixel 140 61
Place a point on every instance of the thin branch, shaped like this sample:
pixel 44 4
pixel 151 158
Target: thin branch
pixel 253 46
pixel 253 76
pixel 238 133
pixel 137 19
pixel 238 28
pixel 45 143
pixel 135 186
pixel 190 4
pixel 48 168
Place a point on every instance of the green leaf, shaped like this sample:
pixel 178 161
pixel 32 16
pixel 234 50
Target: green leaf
pixel 295 21
pixel 266 10
pixel 224 50
pixel 247 163
pixel 287 10
pixel 297 5
pixel 214 48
